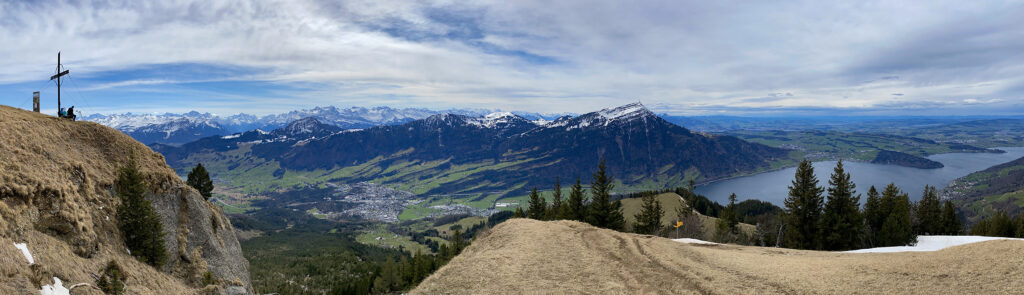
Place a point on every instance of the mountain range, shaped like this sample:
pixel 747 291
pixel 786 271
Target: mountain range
pixel 176 129
pixel 498 152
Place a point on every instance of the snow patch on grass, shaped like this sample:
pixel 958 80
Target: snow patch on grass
pixel 24 251
pixel 932 243
pixel 56 289
pixel 695 241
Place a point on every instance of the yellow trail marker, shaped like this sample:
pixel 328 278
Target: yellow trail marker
pixel 679 223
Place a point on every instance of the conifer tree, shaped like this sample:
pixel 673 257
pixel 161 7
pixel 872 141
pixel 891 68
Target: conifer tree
pixel 873 216
pixel 648 220
pixel 555 213
pixel 139 223
pixel 444 252
pixel 519 212
pixel 577 209
pixel 538 206
pixel 1019 222
pixel 950 222
pixel 997 225
pixel 803 209
pixel 616 219
pixel 897 230
pixel 417 266
pixel 841 221
pixel 730 215
pixel 725 229
pixel 603 212
pixel 112 279
pixel 199 179
pixel 929 213
pixel 458 243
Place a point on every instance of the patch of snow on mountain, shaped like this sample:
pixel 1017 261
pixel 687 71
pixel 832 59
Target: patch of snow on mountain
pixel 582 124
pixel 695 241
pixel 233 136
pixel 56 289
pixel 24 251
pixel 932 243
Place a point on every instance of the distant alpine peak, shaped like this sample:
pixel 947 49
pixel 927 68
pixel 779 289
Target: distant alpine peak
pixel 304 125
pixel 635 109
pixel 498 120
pixel 498 115
pixel 307 125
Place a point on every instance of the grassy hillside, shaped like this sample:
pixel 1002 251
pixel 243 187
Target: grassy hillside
pixel 981 194
pixel 670 202
pixel 560 257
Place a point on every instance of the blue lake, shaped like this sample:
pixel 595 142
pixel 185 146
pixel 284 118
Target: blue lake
pixel 772 186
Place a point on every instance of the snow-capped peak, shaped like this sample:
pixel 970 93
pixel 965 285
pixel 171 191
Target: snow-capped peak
pixel 302 126
pixel 498 119
pixel 498 115
pixel 626 111
pixel 604 117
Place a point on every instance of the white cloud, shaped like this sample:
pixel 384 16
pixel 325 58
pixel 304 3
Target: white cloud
pixel 681 56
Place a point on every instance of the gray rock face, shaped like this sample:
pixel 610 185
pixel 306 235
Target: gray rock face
pixel 199 238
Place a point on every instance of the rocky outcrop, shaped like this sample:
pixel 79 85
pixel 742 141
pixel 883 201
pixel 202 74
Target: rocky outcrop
pixel 199 237
pixel 57 197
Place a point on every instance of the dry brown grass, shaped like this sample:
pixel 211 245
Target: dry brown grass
pixel 56 195
pixel 523 256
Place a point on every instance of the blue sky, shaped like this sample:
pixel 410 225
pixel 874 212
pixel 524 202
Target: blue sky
pixel 678 57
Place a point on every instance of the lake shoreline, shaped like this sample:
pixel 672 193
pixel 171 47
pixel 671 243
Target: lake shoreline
pixel 771 185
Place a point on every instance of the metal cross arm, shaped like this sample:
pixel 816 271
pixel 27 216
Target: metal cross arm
pixel 65 72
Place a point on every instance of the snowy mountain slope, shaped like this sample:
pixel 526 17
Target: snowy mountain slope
pixel 128 122
pixel 176 129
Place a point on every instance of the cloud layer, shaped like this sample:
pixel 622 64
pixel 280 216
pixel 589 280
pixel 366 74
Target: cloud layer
pixel 684 57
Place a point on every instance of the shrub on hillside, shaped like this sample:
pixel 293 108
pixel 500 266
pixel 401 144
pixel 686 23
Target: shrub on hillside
pixel 111 279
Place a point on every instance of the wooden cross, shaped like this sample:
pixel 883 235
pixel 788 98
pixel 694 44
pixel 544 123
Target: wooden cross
pixel 57 77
